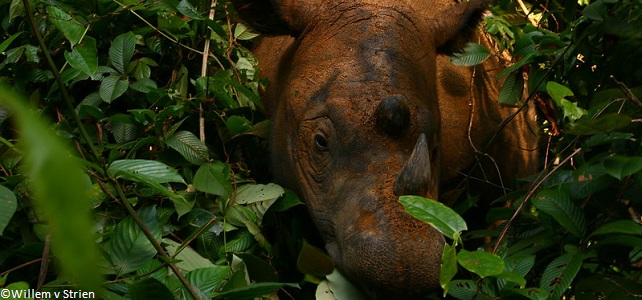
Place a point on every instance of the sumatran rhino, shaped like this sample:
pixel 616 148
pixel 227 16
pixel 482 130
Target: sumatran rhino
pixel 365 108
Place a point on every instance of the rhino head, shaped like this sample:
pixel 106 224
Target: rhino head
pixel 356 124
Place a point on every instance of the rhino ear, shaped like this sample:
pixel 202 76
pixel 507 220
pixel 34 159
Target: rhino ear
pixel 456 25
pixel 276 17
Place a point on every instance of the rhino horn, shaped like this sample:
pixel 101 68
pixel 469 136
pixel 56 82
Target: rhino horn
pixel 415 176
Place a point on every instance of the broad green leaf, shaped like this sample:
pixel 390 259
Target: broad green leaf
pixel 243 33
pixel 69 27
pixel 258 198
pixel 60 193
pixel 607 286
pixel 112 87
pixel 213 178
pixel 512 90
pixel 529 293
pixel 509 276
pixel 596 11
pixel 252 193
pixel 186 8
pixel 17 9
pixel 207 280
pixel 122 50
pixel 435 213
pixel 622 166
pixel 448 267
pixel 464 289
pixel 603 124
pixel 254 290
pixel 149 288
pixel 238 125
pixel 124 132
pixel 189 146
pixel 337 287
pixel 84 57
pixel 243 241
pixel 189 260
pixel 473 54
pixel 619 226
pixel 147 170
pixel 143 85
pixel 558 205
pixel 481 263
pixel 8 205
pixel 314 261
pixel 559 274
pixel 289 200
pixel 559 93
pixel 128 249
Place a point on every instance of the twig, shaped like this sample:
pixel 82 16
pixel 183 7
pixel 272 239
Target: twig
pixel 156 29
pixel 204 64
pixel 530 194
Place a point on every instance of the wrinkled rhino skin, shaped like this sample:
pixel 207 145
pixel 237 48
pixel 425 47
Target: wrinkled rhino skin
pixel 365 108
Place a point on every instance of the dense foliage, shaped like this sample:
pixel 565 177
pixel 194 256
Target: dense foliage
pixel 140 171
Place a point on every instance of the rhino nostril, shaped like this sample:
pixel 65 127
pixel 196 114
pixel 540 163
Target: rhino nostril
pixel 393 115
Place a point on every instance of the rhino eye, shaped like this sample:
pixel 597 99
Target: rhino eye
pixel 320 142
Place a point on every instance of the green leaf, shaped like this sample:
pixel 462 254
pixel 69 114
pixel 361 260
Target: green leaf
pixel 473 54
pixel 481 263
pixel 448 267
pixel 189 260
pixel 124 131
pixel 128 249
pixel 213 178
pixel 207 280
pixel 8 205
pixel 558 93
pixel 5 44
pixel 252 193
pixel 189 146
pixel 558 205
pixel 530 293
pixel 149 288
pixel 314 261
pixel 622 166
pixel 559 274
pixel 122 50
pixel 596 11
pixel 186 8
pixel 254 290
pixel 243 33
pixel 337 287
pixel 512 277
pixel 619 226
pixel 435 213
pixel 69 27
pixel 238 125
pixel 464 289
pixel 60 193
pixel 112 87
pixel 84 57
pixel 512 90
pixel 145 170
pixel 603 124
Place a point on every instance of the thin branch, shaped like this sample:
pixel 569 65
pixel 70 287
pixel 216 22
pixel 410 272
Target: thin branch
pixel 125 7
pixel 530 194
